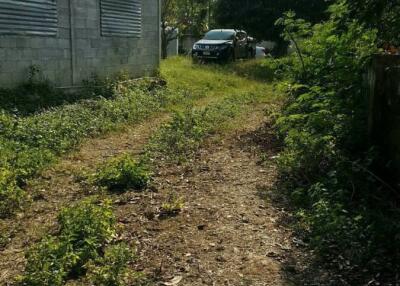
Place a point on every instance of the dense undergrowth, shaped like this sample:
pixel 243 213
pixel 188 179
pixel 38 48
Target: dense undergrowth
pixel 327 166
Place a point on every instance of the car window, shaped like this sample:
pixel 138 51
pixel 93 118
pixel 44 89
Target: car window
pixel 219 35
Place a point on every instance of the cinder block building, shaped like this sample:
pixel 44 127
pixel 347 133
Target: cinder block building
pixel 69 40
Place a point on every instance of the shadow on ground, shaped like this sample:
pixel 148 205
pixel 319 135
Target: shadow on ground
pixel 301 265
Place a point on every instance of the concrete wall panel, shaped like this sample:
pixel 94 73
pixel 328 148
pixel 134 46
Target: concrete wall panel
pixel 68 61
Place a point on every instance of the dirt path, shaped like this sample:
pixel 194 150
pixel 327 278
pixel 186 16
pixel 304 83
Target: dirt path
pixel 227 234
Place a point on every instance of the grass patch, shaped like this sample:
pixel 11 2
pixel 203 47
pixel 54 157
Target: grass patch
pixel 211 82
pixel 265 70
pixel 29 144
pixel 179 139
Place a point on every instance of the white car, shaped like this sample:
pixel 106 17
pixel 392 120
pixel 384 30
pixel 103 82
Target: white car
pixel 261 53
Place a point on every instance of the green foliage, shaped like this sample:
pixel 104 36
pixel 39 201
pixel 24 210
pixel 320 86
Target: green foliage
pixel 263 70
pixel 122 173
pixel 183 135
pixel 172 206
pixel 87 226
pixel 28 144
pixel 257 17
pixel 112 269
pixel 326 160
pixel 37 94
pixel 378 14
pixel 48 263
pixel 84 229
pixel 11 196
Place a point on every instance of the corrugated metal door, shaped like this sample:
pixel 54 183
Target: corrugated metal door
pixel 121 18
pixel 29 17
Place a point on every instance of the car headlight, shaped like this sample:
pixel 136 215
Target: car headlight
pixel 196 47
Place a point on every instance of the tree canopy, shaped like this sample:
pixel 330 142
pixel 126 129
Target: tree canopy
pixel 380 14
pixel 185 16
pixel 258 17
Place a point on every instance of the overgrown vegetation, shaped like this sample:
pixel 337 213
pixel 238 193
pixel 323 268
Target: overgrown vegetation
pixel 84 246
pixel 327 164
pixel 112 268
pixel 30 143
pixel 85 229
pixel 184 134
pixel 122 173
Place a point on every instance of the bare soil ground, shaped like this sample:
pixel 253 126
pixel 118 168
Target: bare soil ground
pixel 227 233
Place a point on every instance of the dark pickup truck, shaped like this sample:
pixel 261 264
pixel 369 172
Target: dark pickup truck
pixel 224 44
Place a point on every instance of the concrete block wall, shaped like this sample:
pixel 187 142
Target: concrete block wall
pixel 79 50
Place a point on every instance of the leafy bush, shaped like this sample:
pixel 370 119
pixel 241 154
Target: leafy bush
pixel 113 268
pixel 87 227
pixel 48 263
pixel 122 173
pixel 84 230
pixel 326 163
pixel 11 196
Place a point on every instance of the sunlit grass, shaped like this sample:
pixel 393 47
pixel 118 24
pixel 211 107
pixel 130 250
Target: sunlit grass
pixel 211 81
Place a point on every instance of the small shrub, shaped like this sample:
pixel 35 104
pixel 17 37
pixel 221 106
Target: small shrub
pixel 172 207
pixel 113 268
pixel 122 173
pixel 48 263
pixel 11 196
pixel 86 227
pixel 84 230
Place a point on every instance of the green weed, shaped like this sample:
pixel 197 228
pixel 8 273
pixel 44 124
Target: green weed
pixel 172 206
pixel 113 268
pixel 84 229
pixel 122 173
pixel 11 196
pixel 179 139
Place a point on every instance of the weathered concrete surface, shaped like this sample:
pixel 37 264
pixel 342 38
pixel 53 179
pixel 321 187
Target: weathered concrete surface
pixel 67 61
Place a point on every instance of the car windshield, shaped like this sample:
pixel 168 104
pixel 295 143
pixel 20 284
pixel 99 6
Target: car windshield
pixel 219 35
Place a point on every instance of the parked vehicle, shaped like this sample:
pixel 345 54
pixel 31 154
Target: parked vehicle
pixel 261 53
pixel 224 44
